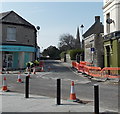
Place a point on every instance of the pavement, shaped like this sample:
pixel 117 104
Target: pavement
pixel 16 102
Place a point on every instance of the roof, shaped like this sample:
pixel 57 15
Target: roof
pixel 97 27
pixel 13 18
pixel 2 15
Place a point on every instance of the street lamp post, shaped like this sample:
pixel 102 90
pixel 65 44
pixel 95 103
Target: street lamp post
pixel 38 28
pixel 82 26
pixel 82 46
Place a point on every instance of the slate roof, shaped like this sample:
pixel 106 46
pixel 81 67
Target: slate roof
pixel 17 19
pixel 4 14
pixel 97 27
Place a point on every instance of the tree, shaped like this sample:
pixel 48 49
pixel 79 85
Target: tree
pixel 52 52
pixel 67 42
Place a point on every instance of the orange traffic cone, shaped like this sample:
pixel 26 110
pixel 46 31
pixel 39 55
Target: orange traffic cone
pixel 72 94
pixel 4 87
pixel 19 78
pixel 34 71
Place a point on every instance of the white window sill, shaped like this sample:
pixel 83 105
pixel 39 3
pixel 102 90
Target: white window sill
pixel 11 40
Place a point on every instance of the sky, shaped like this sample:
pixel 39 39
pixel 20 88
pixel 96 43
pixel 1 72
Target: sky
pixel 56 18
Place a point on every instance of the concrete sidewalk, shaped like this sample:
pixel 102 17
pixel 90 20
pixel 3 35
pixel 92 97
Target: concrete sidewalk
pixel 16 102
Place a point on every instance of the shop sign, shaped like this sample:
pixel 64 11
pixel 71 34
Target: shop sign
pixel 17 48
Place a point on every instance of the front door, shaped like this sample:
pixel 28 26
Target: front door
pixel 9 60
pixel 108 56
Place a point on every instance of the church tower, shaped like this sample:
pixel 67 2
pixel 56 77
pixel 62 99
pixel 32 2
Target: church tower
pixel 78 43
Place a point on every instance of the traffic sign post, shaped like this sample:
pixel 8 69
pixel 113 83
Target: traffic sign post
pixel 92 51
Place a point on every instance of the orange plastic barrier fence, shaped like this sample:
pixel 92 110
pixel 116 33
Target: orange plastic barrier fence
pixel 110 72
pixel 77 65
pixel 81 68
pixel 83 62
pixel 84 67
pixel 86 63
pixel 73 64
pixel 95 71
pixel 87 68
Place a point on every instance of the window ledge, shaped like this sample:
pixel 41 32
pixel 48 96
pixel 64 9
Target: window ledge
pixel 11 40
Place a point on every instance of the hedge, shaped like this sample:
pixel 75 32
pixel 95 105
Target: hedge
pixel 74 52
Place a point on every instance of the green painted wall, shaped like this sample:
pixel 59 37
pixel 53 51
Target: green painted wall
pixel 114 58
pixel 105 53
pixel 118 54
pixel 114 53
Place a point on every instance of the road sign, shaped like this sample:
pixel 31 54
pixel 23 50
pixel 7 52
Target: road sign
pixel 92 50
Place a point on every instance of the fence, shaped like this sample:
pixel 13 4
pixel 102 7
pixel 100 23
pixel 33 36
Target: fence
pixel 110 72
pixel 89 69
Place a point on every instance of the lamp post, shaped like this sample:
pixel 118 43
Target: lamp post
pixel 82 46
pixel 38 28
pixel 82 26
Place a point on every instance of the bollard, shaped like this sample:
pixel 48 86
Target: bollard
pixel 96 99
pixel 58 91
pixel 27 87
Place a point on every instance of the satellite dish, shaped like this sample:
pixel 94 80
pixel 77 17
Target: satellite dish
pixel 38 28
pixel 109 21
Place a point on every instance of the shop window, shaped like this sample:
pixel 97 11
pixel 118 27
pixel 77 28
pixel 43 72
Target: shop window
pixel 11 34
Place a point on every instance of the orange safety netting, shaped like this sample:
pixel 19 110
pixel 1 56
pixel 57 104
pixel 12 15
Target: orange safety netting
pixel 110 72
pixel 87 68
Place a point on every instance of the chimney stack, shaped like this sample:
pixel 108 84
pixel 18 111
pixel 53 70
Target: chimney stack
pixel 97 18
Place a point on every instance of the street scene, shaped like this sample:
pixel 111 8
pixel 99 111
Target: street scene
pixel 45 84
pixel 51 62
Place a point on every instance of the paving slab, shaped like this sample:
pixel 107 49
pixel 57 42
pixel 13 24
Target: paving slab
pixel 16 102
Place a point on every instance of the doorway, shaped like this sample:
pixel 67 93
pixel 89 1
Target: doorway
pixel 9 60
pixel 108 55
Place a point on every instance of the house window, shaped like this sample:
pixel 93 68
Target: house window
pixel 11 34
pixel 108 25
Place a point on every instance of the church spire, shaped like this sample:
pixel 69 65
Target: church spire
pixel 78 43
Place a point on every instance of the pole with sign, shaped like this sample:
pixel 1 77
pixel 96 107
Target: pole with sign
pixel 92 51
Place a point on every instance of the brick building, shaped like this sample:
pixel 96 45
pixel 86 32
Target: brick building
pixel 19 42
pixel 93 43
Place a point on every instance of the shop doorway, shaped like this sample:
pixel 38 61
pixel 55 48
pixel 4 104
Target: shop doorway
pixel 108 55
pixel 9 60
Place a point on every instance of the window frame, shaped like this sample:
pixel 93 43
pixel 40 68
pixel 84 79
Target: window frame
pixel 13 32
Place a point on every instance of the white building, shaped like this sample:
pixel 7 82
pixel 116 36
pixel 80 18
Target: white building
pixel 111 10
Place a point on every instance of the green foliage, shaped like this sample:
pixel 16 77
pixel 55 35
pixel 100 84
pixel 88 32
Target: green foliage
pixel 74 52
pixel 66 42
pixel 52 52
pixel 62 54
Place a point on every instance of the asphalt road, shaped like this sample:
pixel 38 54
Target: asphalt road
pixel 44 83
